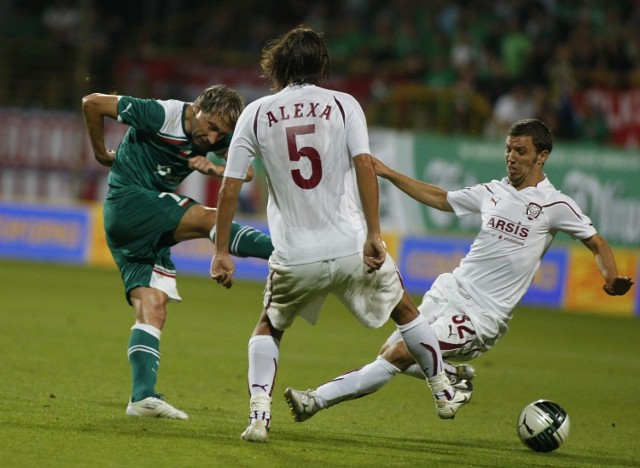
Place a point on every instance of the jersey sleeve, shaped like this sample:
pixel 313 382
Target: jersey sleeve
pixel 142 114
pixel 243 147
pixel 355 125
pixel 566 216
pixel 468 200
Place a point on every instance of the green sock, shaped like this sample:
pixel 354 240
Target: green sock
pixel 246 241
pixel 144 357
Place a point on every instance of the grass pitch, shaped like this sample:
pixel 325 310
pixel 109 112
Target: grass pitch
pixel 65 384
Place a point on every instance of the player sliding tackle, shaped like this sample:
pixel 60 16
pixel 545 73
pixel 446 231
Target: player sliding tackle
pixel 469 309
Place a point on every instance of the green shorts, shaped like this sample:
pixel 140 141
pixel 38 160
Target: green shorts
pixel 139 225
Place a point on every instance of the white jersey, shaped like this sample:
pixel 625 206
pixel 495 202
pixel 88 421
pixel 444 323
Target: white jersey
pixel 306 136
pixel 517 228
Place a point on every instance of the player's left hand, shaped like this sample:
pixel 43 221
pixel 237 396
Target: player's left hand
pixel 222 269
pixel 619 286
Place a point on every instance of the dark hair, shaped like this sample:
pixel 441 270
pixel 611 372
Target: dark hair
pixel 538 131
pixel 223 101
pixel 297 57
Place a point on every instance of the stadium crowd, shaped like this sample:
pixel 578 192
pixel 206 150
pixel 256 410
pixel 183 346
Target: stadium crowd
pixel 521 56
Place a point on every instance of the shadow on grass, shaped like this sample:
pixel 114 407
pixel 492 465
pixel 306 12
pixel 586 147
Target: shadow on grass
pixel 308 446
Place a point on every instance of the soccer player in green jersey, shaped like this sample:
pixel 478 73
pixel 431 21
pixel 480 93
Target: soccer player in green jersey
pixel 143 216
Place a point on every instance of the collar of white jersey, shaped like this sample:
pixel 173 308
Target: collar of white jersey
pixel 298 86
pixel 543 184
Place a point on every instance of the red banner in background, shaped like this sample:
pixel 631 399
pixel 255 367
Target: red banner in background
pixel 621 110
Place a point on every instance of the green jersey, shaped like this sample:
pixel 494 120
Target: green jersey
pixel 155 151
pixel 141 212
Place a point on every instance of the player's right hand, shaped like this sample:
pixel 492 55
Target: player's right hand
pixel 619 286
pixel 374 254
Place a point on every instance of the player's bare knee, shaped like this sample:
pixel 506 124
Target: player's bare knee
pixel 150 306
pixel 196 223
pixel 265 327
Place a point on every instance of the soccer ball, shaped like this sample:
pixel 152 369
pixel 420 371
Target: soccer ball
pixel 543 425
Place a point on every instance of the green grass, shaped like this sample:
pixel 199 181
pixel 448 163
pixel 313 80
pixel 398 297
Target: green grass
pixel 65 383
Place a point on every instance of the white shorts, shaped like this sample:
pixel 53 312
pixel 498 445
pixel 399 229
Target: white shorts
pixel 464 330
pixel 165 280
pixel 294 290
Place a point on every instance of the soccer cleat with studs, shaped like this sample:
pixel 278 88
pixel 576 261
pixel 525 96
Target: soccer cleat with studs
pixel 303 404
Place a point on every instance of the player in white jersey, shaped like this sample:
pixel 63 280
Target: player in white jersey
pixel 314 147
pixel 469 308
pixel 315 132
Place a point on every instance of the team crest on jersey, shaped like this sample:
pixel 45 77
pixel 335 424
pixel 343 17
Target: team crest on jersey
pixel 163 170
pixel 533 210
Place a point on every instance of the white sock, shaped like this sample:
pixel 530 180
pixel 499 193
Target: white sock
pixel 264 353
pixel 354 384
pixel 263 364
pixel 150 329
pixel 422 343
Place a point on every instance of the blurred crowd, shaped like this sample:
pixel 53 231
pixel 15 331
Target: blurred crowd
pixel 524 57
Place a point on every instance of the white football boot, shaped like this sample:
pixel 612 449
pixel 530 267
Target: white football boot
pixel 259 419
pixel 154 407
pixel 303 404
pixel 449 399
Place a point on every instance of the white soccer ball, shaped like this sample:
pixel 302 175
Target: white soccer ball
pixel 543 425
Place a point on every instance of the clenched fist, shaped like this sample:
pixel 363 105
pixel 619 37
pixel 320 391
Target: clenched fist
pixel 619 286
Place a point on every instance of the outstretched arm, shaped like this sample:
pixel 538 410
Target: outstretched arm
pixel 94 108
pixel 428 194
pixel 614 285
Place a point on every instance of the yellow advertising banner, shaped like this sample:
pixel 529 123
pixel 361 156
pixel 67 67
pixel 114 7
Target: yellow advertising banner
pixel 391 242
pixel 584 283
